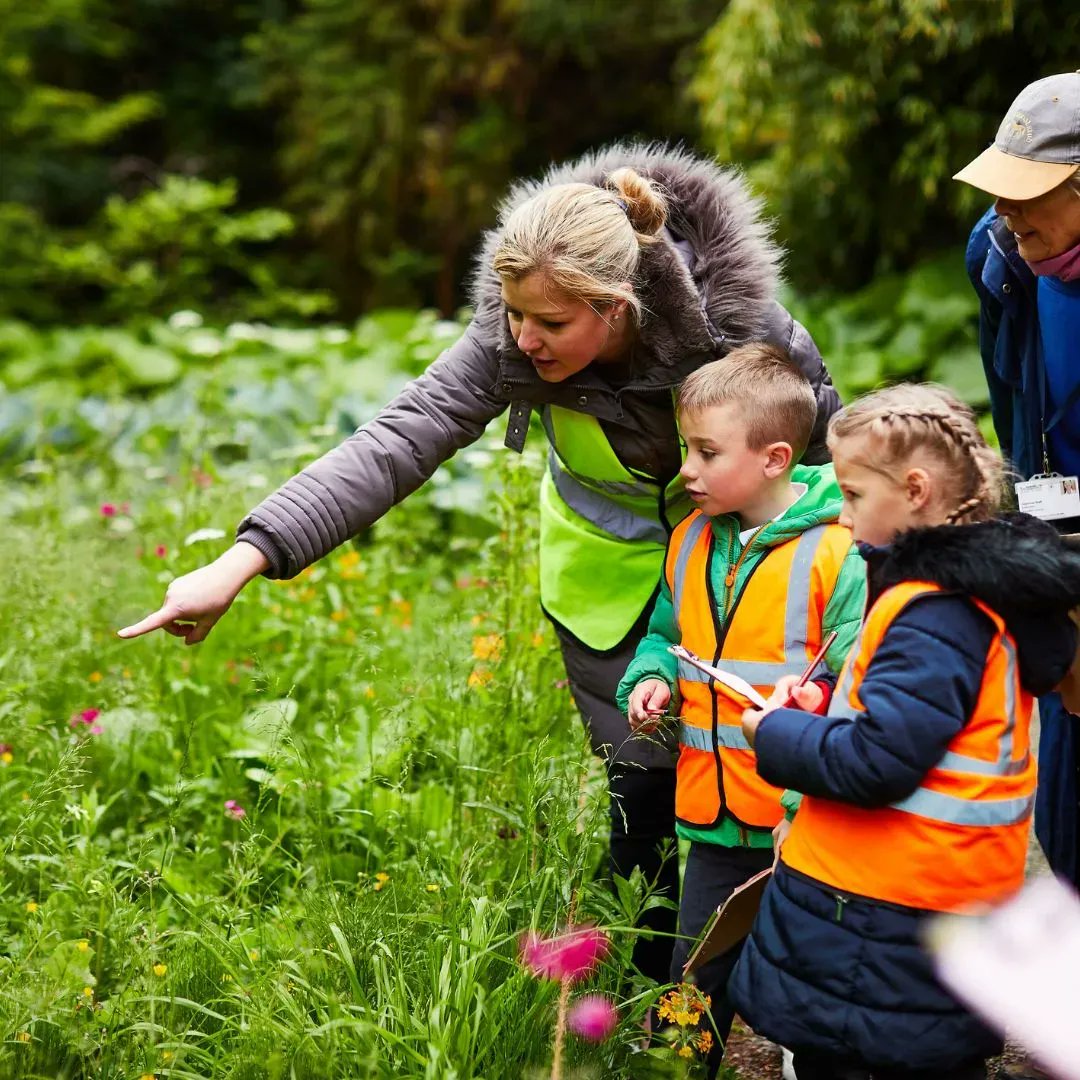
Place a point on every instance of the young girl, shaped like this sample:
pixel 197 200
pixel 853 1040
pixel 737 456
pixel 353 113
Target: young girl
pixel 918 782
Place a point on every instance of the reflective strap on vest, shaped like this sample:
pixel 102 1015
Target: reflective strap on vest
pixel 955 811
pixel 699 739
pixel 689 542
pixel 796 617
pixel 951 809
pixel 603 512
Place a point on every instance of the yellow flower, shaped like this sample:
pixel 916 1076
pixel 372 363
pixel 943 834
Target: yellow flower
pixel 684 1019
pixel 339 616
pixel 369 692
pixel 476 620
pixel 159 970
pixel 432 887
pixel 83 946
pixel 685 1051
pixel 23 1036
pixel 380 876
pixel 537 640
pixel 254 954
pixel 166 1055
pixel 147 1076
pixel 95 676
pixel 379 885
pixel 26 796
pixel 704 1042
pixel 31 906
pixel 87 991
pixel 350 558
pixel 487 647
pixel 7 757
pixel 479 677
pixel 126 673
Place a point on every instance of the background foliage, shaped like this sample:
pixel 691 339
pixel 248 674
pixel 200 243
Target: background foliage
pixel 289 160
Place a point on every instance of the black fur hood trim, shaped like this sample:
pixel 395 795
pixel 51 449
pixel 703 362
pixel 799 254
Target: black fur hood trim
pixel 1012 563
pixel 1016 564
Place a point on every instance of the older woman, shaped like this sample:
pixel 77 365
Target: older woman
pixel 1024 261
pixel 605 284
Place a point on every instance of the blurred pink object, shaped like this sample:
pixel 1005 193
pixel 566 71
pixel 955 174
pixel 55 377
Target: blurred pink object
pixel 108 510
pixel 567 956
pixel 234 810
pixel 592 1017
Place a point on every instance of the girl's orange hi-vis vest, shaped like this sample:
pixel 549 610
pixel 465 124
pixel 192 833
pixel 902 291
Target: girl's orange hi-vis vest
pixel 770 629
pixel 961 837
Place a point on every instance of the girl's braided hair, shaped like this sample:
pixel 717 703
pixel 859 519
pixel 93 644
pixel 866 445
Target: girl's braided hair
pixel 908 418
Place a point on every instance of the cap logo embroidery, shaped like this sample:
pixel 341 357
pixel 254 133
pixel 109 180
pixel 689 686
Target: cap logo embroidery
pixel 1021 126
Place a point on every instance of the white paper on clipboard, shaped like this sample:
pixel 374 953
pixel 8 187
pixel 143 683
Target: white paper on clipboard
pixel 732 682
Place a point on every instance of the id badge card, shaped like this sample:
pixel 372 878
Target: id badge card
pixel 1050 497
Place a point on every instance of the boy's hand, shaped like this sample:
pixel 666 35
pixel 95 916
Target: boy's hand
pixel 751 718
pixel 779 835
pixel 648 702
pixel 809 698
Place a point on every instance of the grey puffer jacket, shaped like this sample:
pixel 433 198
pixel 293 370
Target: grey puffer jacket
pixel 707 286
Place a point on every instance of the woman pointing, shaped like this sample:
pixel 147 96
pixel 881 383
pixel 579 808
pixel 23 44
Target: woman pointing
pixel 603 286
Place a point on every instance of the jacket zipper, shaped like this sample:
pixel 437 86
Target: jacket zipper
pixel 840 902
pixel 733 573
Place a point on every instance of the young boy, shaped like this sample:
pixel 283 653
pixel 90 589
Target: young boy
pixel 754 580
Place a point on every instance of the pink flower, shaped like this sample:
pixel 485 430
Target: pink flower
pixel 108 510
pixel 567 956
pixel 97 729
pixel 234 810
pixel 593 1017
pixel 87 716
pixel 161 551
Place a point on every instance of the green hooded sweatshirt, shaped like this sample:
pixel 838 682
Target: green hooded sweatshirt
pixel 819 504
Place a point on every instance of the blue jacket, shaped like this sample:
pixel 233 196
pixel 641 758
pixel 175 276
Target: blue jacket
pixel 842 974
pixel 1012 359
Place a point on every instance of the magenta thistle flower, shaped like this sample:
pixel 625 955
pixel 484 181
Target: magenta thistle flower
pixel 567 956
pixel 108 510
pixel 592 1017
pixel 234 810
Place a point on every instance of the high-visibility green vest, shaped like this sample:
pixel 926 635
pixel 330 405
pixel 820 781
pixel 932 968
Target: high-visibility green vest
pixel 603 531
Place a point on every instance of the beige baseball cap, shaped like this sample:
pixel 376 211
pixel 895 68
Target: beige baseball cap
pixel 1037 145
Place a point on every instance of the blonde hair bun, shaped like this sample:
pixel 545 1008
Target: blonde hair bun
pixel 646 206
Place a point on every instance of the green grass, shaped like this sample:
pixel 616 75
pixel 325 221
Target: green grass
pixel 398 710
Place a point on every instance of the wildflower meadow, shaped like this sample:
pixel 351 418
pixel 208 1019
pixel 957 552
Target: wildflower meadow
pixel 358 831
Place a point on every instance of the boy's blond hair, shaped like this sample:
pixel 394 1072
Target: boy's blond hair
pixel 774 397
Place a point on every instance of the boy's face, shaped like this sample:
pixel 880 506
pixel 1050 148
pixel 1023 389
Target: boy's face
pixel 723 475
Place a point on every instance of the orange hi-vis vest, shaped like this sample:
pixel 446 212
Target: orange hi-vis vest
pixel 961 837
pixel 770 629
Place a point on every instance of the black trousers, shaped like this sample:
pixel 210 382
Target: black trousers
pixel 642 828
pixel 712 875
pixel 641 776
pixel 811 1066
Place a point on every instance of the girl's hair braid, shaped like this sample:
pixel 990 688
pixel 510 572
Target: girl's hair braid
pixel 909 417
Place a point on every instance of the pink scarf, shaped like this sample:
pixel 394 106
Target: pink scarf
pixel 1065 266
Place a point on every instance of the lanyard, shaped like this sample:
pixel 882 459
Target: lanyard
pixel 1046 426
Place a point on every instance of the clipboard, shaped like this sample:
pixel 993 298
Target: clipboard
pixel 732 682
pixel 730 923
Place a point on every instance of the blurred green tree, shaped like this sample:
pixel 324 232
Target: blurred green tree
pixel 852 115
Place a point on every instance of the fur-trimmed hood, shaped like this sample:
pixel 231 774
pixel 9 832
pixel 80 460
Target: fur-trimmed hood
pixel 1016 564
pixel 707 285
